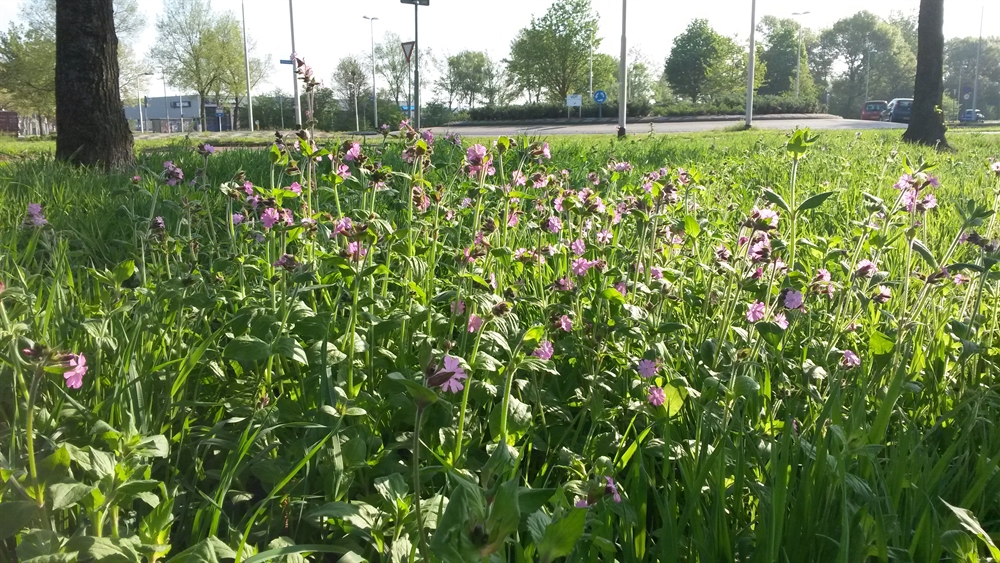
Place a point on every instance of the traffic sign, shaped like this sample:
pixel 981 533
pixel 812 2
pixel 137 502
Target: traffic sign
pixel 967 89
pixel 286 61
pixel 408 49
pixel 600 96
pixel 966 97
pixel 219 112
pixel 574 100
pixel 405 107
pixel 416 2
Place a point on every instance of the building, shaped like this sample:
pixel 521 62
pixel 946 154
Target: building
pixel 173 114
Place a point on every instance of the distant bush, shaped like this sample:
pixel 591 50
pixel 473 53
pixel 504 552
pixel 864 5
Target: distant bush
pixel 729 105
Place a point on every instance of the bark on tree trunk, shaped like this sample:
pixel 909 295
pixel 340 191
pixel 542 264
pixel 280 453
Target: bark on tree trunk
pixel 90 123
pixel 926 122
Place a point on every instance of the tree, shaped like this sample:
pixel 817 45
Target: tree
pixel 691 56
pixel 187 46
pixel 468 72
pixel 727 73
pixel 496 83
pixel 960 68
pixel 350 82
pixel 926 120
pixel 232 81
pixel 553 52
pixel 448 84
pixel 91 125
pixel 390 63
pixel 780 38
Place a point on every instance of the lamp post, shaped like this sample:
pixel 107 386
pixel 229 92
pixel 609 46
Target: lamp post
pixel 374 89
pixel 295 69
pixel 750 63
pixel 166 104
pixel 979 48
pixel 798 51
pixel 354 90
pixel 138 96
pixel 246 61
pixel 622 80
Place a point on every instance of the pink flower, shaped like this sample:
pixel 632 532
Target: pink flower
pixel 457 307
pixel 237 218
pixel 722 254
pixel 781 320
pixel 344 171
pixel 554 225
pixel 78 368
pixel 466 202
pixel 269 217
pixel 657 396
pixel 866 269
pixel 295 187
pixel 343 226
pixel 356 251
pixel 248 188
pixel 544 350
pixel 475 322
pixel 512 218
pixel 565 284
pixel 793 299
pixel 580 266
pixel 959 279
pixel 822 275
pixel 850 360
pixel 604 237
pixel 518 178
pixel 611 489
pixel 545 151
pixel 35 217
pixel 454 383
pixel 353 153
pixel 883 296
pixel 646 368
pixel 655 273
pixel 565 323
pixel 755 312
pixel 620 287
pixel 578 247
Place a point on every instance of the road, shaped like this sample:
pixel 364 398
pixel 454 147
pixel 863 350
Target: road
pixel 668 127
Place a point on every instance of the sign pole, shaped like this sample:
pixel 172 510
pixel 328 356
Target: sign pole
pixel 416 63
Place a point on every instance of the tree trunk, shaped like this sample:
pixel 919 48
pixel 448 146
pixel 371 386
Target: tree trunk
pixel 926 120
pixel 90 123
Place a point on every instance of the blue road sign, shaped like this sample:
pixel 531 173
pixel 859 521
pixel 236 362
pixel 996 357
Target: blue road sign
pixel 219 112
pixel 405 107
pixel 600 96
pixel 286 61
pixel 967 89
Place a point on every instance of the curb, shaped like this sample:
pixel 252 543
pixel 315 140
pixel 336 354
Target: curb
pixel 664 119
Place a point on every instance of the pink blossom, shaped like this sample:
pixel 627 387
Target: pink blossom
pixel 356 251
pixel 544 350
pixel 850 360
pixel 656 396
pixel 793 299
pixel 343 226
pixel 620 288
pixel 344 171
pixel 353 153
pixel 960 279
pixel 866 269
pixel 248 188
pixel 565 323
pixel 655 273
pixel 454 383
pixel 884 294
pixel 457 307
pixel 580 266
pixel 578 247
pixel 755 312
pixel 269 217
pixel 647 368
pixel 78 368
pixel 781 320
pixel 237 218
pixel 475 322
pixel 518 178
pixel 604 237
pixel 295 187
pixel 554 225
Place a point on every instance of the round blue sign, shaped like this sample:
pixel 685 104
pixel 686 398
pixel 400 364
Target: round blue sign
pixel 600 96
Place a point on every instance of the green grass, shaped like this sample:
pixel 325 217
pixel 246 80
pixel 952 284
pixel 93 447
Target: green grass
pixel 237 406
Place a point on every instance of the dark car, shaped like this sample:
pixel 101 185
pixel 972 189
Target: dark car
pixel 872 110
pixel 898 110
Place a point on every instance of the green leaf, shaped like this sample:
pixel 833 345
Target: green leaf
pixel 530 500
pixel 880 344
pixel 420 393
pixel 674 399
pixel 65 495
pixel 745 386
pixel 123 271
pixel 290 348
pixel 925 253
pixel 800 142
pixel 968 521
pixel 537 523
pixel 152 446
pixel 561 536
pixel 247 348
pixel 770 332
pixel 452 542
pixel 814 201
pixel 532 335
pixel 776 199
pixel 16 516
pixel 211 550
pixel 612 295
pixel 293 549
pixel 691 226
pixel 505 513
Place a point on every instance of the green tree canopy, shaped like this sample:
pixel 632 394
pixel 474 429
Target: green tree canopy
pixel 780 39
pixel 691 56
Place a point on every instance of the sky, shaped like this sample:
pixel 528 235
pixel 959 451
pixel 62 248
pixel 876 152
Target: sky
pixel 326 30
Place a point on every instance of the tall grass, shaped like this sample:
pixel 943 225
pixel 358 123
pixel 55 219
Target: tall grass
pixel 256 393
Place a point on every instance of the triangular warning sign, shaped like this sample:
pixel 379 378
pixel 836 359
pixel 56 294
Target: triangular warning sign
pixel 408 50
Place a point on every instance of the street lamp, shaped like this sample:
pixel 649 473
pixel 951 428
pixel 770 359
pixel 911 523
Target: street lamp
pixel 798 51
pixel 622 81
pixel 295 69
pixel 869 75
pixel 246 61
pixel 138 96
pixel 354 90
pixel 374 89
pixel 750 64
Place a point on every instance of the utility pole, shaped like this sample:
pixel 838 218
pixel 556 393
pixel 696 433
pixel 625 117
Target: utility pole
pixel 416 54
pixel 295 69
pixel 591 63
pixel 622 80
pixel 868 75
pixel 958 93
pixel 166 104
pixel 750 62
pixel 374 88
pixel 246 61
pixel 798 57
pixel 979 48
pixel 354 90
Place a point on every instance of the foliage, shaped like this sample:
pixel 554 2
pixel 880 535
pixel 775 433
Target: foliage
pixel 261 391
pixel 390 63
pixel 693 53
pixel 780 56
pixel 552 55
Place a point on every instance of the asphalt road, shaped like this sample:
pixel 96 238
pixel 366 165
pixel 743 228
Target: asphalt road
pixel 668 127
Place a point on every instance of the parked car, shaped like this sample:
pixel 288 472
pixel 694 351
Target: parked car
pixel 872 110
pixel 898 110
pixel 971 116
